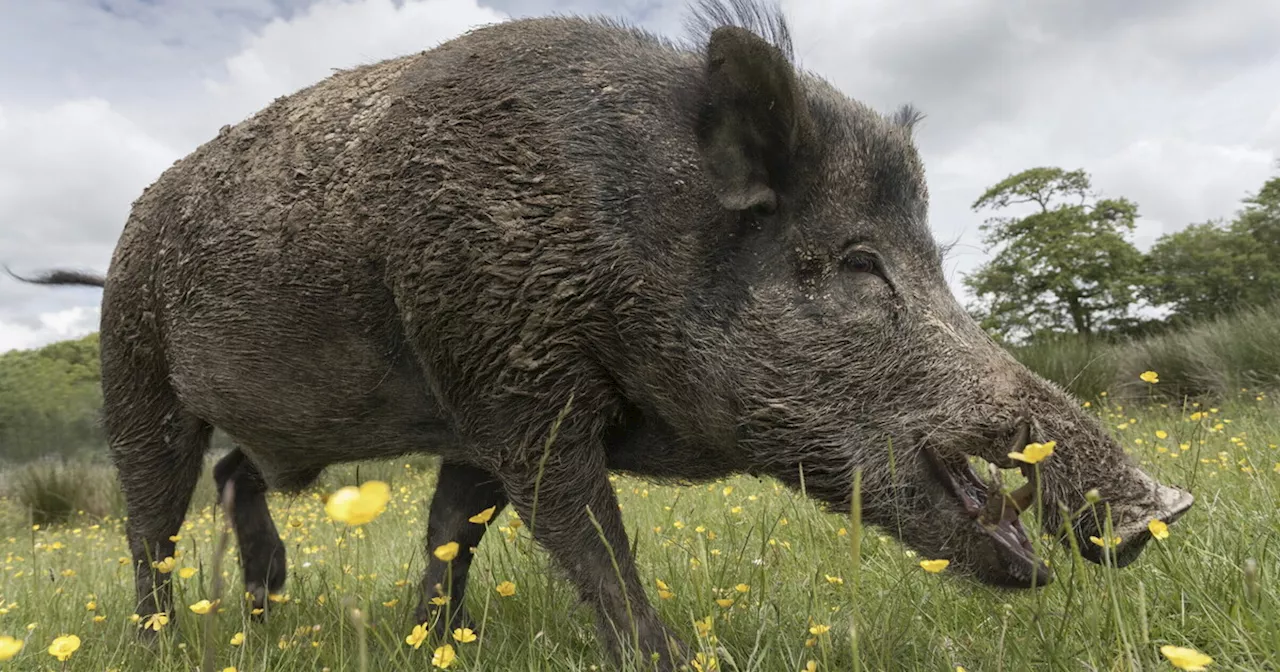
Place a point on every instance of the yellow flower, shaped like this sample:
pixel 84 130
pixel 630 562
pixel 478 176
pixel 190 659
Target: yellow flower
pixel 358 506
pixel 484 516
pixel 703 626
pixel 165 566
pixel 63 646
pixel 417 637
pixel 506 589
pixel 1185 659
pixel 1034 452
pixel 934 566
pixel 817 629
pixel 704 663
pixel 187 572
pixel 447 551
pixel 156 621
pixel 9 647
pixel 811 666
pixel 391 603
pixel 90 606
pixel 1158 529
pixel 202 607
pixel 228 669
pixel 464 635
pixel 237 639
pixel 1099 541
pixel 725 602
pixel 1161 434
pixel 742 587
pixel 1150 377
pixel 834 580
pixel 443 657
pixel 99 618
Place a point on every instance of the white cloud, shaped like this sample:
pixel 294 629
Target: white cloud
pixel 287 55
pixel 56 326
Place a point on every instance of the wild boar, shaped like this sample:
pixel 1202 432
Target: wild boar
pixel 717 262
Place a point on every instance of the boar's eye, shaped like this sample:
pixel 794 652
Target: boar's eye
pixel 862 262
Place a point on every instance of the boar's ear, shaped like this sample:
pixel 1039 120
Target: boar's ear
pixel 752 121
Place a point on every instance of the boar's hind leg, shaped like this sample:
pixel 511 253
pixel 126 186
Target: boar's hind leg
pixel 461 493
pixel 573 482
pixel 158 449
pixel 262 553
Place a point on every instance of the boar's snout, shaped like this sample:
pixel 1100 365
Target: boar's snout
pixel 1087 458
pixel 1131 524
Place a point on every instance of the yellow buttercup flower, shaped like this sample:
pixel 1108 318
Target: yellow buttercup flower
pixel 165 566
pixel 934 566
pixel 506 589
pixel 446 552
pixel 237 639
pixel 1150 377
pixel 1158 529
pixel 1099 541
pixel 156 621
pixel 186 572
pixel 9 647
pixel 358 506
pixel 444 656
pixel 484 516
pixel 63 646
pixel 202 607
pixel 1185 659
pixel 1034 452
pixel 742 587
pixel 818 629
pixel 417 637
pixel 464 635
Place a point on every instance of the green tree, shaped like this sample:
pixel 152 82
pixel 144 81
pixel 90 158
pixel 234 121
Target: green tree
pixel 1066 265
pixel 50 400
pixel 1211 269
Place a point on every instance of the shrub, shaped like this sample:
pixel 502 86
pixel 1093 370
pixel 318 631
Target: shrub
pixel 55 490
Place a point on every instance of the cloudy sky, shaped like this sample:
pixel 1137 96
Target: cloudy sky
pixel 1172 103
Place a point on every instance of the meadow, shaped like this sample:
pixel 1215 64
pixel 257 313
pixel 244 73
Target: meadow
pixel 755 576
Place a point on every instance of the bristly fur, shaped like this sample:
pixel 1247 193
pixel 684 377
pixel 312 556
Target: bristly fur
pixel 763 19
pixel 907 116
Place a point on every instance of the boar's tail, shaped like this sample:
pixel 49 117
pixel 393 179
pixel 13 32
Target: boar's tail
pixel 62 278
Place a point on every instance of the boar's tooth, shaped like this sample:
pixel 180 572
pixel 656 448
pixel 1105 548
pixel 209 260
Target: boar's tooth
pixel 1021 437
pixel 1024 496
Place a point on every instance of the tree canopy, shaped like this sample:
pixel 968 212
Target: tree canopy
pixel 1067 264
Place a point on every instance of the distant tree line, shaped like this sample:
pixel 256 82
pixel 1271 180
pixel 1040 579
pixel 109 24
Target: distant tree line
pixel 1067 265
pixel 50 400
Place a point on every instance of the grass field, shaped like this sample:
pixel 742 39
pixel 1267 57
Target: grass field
pixel 791 591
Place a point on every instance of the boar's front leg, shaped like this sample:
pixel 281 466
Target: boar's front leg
pixel 574 482
pixel 461 493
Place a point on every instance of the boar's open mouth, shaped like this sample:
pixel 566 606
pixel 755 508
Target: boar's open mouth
pixel 996 513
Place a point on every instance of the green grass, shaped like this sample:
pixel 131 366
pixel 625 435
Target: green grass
pixel 1188 590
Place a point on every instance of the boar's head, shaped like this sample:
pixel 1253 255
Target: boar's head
pixel 850 351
